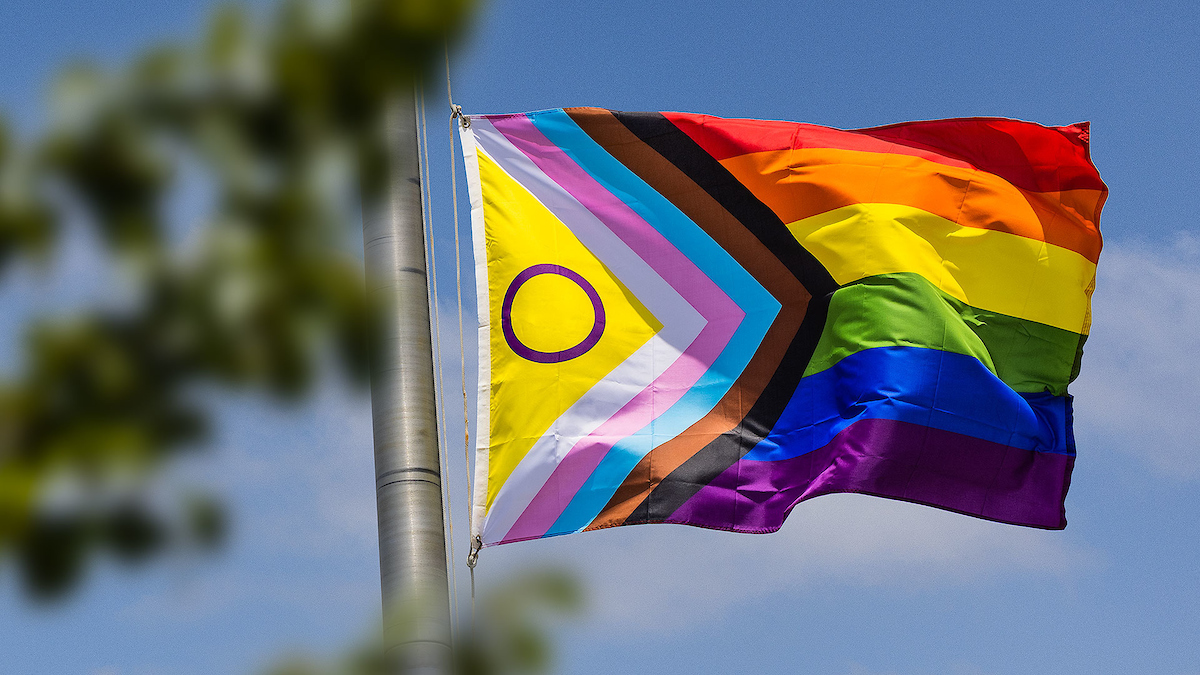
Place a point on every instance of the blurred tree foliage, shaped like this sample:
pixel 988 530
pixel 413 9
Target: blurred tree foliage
pixel 279 119
pixel 508 637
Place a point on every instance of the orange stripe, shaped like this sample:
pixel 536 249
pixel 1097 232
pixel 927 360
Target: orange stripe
pixel 798 184
pixel 1076 207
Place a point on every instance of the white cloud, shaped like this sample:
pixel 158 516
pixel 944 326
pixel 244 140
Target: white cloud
pixel 672 577
pixel 859 669
pixel 1137 390
pixel 188 599
pixel 952 669
pixel 297 478
pixel 297 482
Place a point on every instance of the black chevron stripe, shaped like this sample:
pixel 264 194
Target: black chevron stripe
pixel 709 462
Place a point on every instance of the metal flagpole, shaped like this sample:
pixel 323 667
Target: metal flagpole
pixel 412 544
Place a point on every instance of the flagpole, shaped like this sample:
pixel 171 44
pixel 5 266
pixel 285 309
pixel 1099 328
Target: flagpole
pixel 412 544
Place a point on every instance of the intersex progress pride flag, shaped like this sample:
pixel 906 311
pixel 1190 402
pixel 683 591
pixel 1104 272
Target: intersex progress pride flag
pixel 705 321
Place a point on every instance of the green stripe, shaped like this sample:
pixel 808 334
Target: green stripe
pixel 906 310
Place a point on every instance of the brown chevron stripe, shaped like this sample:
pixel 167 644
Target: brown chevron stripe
pixel 668 140
pixel 751 254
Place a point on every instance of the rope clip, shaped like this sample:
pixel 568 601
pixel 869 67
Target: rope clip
pixel 473 556
pixel 456 112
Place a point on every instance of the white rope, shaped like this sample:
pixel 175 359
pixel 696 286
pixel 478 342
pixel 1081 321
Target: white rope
pixel 456 112
pixel 462 354
pixel 431 267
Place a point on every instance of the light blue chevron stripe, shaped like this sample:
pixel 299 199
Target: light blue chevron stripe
pixel 760 307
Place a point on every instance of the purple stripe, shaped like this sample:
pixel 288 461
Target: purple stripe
pixel 892 459
pixel 721 313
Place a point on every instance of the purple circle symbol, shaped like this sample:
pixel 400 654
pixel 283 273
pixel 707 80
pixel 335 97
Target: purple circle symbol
pixel 526 352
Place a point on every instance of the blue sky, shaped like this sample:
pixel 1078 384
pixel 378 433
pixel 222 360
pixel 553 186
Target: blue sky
pixel 852 585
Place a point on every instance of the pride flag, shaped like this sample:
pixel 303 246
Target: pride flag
pixel 705 321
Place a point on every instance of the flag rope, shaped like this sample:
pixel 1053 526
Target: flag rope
pixel 456 113
pixel 431 267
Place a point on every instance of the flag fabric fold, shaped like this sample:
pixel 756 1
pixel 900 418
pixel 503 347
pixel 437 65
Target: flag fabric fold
pixel 705 321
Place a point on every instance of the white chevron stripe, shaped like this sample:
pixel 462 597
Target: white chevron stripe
pixel 681 325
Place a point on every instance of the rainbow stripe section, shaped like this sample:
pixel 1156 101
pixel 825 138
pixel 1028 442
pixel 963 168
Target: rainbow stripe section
pixel 694 320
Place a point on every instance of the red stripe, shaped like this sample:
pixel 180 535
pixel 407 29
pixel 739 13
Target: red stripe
pixel 1030 156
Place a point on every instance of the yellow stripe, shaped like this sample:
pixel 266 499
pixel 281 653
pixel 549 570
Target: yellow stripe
pixel 991 270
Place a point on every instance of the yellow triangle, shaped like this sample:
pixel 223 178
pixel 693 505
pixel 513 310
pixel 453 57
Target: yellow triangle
pixel 550 312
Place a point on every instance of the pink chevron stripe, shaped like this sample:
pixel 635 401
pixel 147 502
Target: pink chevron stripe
pixel 719 311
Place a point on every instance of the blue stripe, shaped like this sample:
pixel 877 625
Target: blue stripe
pixel 760 307
pixel 938 389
